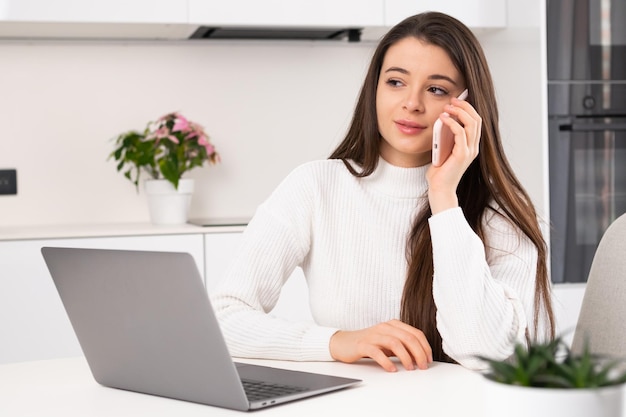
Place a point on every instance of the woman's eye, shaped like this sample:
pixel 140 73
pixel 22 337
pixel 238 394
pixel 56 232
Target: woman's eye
pixel 438 91
pixel 395 83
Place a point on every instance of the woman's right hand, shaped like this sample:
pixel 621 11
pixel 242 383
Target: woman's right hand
pixel 382 341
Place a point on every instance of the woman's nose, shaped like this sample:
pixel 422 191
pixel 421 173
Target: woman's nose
pixel 413 103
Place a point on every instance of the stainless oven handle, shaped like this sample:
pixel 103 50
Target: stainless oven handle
pixel 583 127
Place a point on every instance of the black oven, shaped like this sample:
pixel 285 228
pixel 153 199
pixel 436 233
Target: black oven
pixel 586 47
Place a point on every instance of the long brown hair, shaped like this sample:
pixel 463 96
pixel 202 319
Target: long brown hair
pixel 489 178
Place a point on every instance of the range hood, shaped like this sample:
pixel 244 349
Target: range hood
pixel 277 33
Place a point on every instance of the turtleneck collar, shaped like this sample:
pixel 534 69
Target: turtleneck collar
pixel 398 182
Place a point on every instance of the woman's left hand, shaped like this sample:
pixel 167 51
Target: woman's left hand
pixel 444 180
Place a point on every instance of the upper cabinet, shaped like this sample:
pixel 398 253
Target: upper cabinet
pixel 288 13
pixel 126 19
pixel 477 14
pixel 183 19
pixel 94 11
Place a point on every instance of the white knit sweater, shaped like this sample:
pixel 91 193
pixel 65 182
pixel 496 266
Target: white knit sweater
pixel 349 236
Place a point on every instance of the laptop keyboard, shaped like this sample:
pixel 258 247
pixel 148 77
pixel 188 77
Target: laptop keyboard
pixel 259 390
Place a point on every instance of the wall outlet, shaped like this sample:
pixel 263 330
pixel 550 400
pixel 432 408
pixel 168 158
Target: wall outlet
pixel 8 181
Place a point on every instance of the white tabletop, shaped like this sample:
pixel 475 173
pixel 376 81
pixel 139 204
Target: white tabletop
pixel 65 387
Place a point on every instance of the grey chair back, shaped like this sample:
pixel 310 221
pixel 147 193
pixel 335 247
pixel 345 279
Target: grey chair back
pixel 602 317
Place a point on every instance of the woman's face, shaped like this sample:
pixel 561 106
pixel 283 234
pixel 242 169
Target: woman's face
pixel 416 81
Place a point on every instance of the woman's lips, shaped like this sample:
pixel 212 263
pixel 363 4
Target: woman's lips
pixel 409 128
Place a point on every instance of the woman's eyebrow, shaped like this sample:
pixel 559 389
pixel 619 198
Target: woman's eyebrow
pixel 430 77
pixel 441 77
pixel 397 69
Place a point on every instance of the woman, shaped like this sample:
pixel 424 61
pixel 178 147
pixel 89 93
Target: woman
pixel 402 258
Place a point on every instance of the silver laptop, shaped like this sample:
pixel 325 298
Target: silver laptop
pixel 145 324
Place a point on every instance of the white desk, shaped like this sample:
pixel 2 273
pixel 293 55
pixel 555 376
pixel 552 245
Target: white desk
pixel 65 387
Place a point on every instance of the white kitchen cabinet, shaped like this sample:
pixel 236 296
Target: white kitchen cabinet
pixel 220 249
pixel 283 13
pixel 94 19
pixel 33 322
pixel 94 11
pixel 567 300
pixel 483 14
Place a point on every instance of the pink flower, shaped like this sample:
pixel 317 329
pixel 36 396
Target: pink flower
pixel 181 124
pixel 162 133
pixel 204 141
pixel 195 130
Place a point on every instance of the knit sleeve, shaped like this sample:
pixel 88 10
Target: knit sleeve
pixel 484 293
pixel 274 243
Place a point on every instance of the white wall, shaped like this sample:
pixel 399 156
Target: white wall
pixel 267 106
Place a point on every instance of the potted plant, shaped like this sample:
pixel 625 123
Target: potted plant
pixel 165 150
pixel 548 379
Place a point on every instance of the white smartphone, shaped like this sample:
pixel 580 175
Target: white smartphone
pixel 443 139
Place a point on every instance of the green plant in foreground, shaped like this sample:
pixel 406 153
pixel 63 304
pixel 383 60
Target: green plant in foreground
pixel 553 365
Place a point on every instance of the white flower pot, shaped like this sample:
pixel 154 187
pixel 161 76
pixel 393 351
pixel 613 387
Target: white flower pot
pixel 167 205
pixel 515 401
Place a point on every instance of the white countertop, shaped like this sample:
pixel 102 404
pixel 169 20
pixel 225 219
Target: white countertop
pixel 63 231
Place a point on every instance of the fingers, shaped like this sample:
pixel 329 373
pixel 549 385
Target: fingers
pixel 409 345
pixel 467 129
pixel 383 360
pixel 380 342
